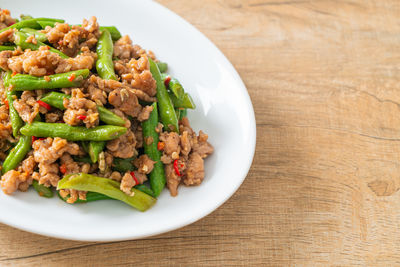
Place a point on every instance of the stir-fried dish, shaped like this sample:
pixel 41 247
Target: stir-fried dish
pixel 90 115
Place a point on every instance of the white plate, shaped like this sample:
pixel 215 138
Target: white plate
pixel 224 111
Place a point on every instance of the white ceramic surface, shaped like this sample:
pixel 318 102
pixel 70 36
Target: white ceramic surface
pixel 224 111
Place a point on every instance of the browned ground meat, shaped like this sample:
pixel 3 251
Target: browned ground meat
pixel 20 179
pixel 80 110
pixel 171 146
pixel 69 165
pixel 188 150
pixel 127 183
pixel 137 74
pixel 46 152
pixel 124 146
pixel 27 106
pixel 126 101
pixel 73 195
pixel 173 180
pixel 7 36
pixel 54 116
pixel 144 164
pixel 44 62
pixel 123 49
pixel 145 113
pixel 70 39
pixel 5 19
pixel 11 180
pixel 5 125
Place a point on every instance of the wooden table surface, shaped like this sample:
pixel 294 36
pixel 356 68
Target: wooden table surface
pixel 324 80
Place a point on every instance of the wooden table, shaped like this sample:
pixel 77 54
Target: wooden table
pixel 324 80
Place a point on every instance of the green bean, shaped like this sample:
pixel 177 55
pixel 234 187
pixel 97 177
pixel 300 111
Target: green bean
pixel 20 40
pixel 17 154
pixel 30 23
pixel 16 121
pixel 167 111
pixel 43 24
pixel 115 34
pixel 162 66
pixel 183 113
pixel 25 17
pixel 73 133
pixel 104 63
pixel 185 102
pixel 108 187
pixel 7 47
pixel 90 197
pixel 145 189
pixel 55 99
pixel 82 159
pixel 25 82
pixel 39 36
pixel 174 85
pixel 42 190
pixel 110 117
pixel 123 165
pixel 95 148
pixel 157 175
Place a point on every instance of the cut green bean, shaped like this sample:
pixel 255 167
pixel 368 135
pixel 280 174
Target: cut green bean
pixel 82 159
pixel 39 36
pixel 157 175
pixel 43 24
pixel 183 113
pixel 7 47
pixel 109 117
pixel 108 187
pixel 25 82
pixel 115 34
pixel 25 17
pixel 16 121
pixel 185 102
pixel 145 189
pixel 55 99
pixel 73 133
pixel 20 39
pixel 174 86
pixel 42 190
pixel 17 154
pixel 94 149
pixel 162 66
pixel 167 111
pixel 104 63
pixel 31 23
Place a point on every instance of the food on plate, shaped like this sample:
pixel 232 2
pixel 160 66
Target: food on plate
pixel 87 113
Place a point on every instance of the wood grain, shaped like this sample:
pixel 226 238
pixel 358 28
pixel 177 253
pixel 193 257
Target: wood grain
pixel 323 188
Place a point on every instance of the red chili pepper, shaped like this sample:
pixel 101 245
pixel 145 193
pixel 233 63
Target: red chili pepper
pixel 14 73
pixel 134 178
pixel 71 77
pixel 43 104
pixel 6 103
pixel 81 117
pixel 176 168
pixel 12 23
pixel 167 80
pixel 160 145
pixel 63 168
